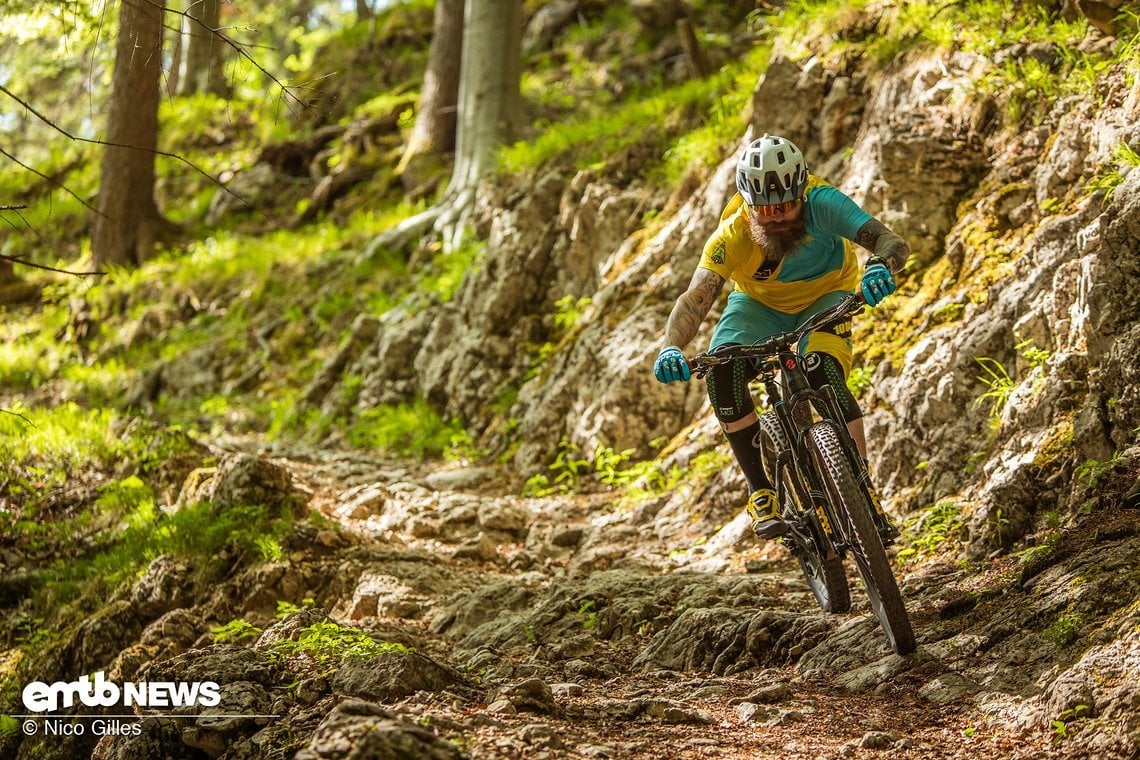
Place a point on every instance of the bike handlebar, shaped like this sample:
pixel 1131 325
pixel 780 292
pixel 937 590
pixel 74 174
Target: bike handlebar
pixel 773 345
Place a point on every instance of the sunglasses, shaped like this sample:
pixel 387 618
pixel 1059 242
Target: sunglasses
pixel 771 208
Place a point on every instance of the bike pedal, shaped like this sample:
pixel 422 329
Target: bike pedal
pixel 770 529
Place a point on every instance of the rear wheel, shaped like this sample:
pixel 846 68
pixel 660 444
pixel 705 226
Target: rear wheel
pixel 825 577
pixel 870 557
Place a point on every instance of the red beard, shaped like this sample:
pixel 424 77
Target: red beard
pixel 778 239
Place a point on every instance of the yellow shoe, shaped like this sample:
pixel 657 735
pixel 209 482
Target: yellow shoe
pixel 765 513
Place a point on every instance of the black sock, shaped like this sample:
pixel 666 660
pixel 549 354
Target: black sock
pixel 748 456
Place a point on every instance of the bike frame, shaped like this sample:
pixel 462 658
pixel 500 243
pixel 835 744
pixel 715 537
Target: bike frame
pixel 793 400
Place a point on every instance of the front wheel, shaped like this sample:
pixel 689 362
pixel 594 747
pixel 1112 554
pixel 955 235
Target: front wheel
pixel 825 576
pixel 870 557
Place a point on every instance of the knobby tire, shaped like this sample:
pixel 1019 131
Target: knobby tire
pixel 826 578
pixel 870 557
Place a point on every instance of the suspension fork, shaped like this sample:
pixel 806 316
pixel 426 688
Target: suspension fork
pixel 794 413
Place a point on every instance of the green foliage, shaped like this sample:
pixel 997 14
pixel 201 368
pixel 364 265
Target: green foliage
pixel 1036 357
pixel 235 632
pixel 842 29
pixel 269 549
pixel 705 146
pixel 567 470
pixel 40 446
pixel 931 529
pixel 326 640
pixel 859 380
pixel 1094 472
pixel 591 134
pixel 285 608
pixel 1065 629
pixel 1030 557
pixel 608 465
pixel 588 615
pixel 886 32
pixel 412 429
pixel 568 311
pixel 1076 712
pixel 1108 179
pixel 441 278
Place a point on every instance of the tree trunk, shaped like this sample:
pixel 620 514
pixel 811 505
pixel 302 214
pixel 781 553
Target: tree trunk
pixel 202 64
pixel 489 110
pixel 489 103
pixel 172 77
pixel 363 10
pixel 434 131
pixel 128 222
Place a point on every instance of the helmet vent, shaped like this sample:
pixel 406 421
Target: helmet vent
pixel 781 157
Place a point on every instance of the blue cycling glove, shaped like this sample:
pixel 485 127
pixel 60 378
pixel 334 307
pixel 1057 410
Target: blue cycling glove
pixel 671 365
pixel 878 283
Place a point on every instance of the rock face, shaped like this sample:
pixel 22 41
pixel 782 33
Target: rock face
pixel 994 275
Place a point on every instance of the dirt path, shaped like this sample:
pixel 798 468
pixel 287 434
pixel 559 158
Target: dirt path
pixel 635 712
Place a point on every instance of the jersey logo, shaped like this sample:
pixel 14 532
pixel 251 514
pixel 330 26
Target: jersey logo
pixel 718 253
pixel 765 270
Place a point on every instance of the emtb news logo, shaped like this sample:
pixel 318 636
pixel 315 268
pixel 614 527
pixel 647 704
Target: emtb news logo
pixel 96 691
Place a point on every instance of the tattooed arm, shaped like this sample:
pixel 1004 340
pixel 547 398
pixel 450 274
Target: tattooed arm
pixel 692 307
pixel 884 244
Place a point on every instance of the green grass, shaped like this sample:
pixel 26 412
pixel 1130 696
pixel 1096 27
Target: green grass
pixel 40 446
pixel 412 429
pixel 65 450
pixel 596 133
pixel 1125 159
pixel 999 386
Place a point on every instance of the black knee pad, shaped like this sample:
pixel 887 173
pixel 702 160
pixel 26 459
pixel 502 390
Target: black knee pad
pixel 727 386
pixel 824 369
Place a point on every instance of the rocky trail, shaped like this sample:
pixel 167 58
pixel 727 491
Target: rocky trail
pixel 575 626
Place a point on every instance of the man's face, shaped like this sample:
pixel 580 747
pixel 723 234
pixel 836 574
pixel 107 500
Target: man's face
pixel 778 229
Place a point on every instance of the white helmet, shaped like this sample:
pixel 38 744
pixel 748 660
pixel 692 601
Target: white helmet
pixel 771 170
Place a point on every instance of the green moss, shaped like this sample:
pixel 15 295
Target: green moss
pixel 1058 446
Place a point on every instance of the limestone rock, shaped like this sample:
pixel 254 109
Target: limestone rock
pixel 356 730
pixel 392 675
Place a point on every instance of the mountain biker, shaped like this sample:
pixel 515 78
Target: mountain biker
pixel 785 240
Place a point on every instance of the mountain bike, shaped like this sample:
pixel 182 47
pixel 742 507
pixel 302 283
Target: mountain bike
pixel 822 483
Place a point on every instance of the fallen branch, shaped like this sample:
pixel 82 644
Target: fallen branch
pixel 45 267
